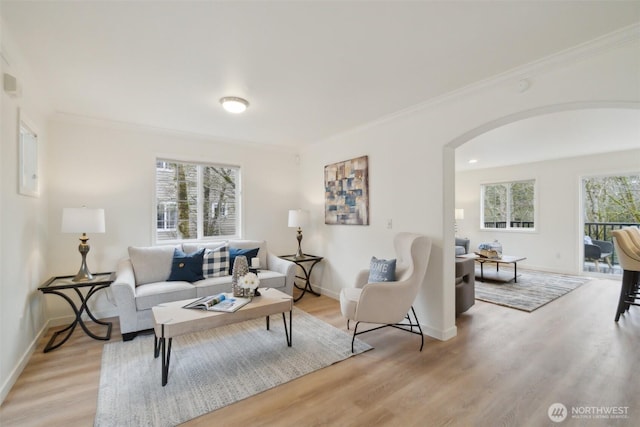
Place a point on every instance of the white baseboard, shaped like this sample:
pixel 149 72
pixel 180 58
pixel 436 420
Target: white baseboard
pixel 442 335
pixel 65 320
pixel 22 363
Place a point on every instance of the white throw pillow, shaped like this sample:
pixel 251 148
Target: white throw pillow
pixel 152 263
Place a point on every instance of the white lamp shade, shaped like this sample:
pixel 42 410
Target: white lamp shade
pixel 459 213
pixel 298 218
pixel 82 220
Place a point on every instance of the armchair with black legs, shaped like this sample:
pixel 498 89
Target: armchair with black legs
pixel 390 303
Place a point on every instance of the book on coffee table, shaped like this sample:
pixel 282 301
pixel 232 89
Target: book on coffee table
pixel 224 302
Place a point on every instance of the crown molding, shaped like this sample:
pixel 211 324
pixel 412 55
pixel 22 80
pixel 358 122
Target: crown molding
pixel 592 48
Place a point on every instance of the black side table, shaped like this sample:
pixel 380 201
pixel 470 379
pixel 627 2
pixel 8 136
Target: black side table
pixel 313 259
pixel 56 284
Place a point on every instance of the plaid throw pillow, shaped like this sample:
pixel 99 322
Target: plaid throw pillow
pixel 216 262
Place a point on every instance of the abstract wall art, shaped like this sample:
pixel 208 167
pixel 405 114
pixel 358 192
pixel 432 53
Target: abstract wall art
pixel 346 192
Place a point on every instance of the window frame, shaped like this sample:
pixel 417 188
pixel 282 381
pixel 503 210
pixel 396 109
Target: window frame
pixel 200 202
pixel 509 220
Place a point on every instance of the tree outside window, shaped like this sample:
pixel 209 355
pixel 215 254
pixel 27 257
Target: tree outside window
pixel 610 202
pixel 196 201
pixel 508 205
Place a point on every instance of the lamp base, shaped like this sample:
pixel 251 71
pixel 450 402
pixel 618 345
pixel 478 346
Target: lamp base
pixel 84 275
pixel 299 253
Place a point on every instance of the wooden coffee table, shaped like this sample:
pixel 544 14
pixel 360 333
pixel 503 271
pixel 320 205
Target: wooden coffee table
pixel 171 320
pixel 498 276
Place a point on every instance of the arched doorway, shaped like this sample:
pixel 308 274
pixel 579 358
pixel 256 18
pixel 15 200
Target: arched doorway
pixel 561 231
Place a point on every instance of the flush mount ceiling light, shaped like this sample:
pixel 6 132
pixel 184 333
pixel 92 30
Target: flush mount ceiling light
pixel 233 104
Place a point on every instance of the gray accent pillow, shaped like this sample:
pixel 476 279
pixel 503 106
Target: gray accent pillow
pixel 382 270
pixel 151 263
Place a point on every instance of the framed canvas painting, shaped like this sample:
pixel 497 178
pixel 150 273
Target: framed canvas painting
pixel 346 192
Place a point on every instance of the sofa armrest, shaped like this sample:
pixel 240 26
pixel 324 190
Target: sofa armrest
pixel 463 243
pixel 124 292
pixel 282 266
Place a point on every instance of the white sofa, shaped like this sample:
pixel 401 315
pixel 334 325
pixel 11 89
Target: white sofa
pixel 141 280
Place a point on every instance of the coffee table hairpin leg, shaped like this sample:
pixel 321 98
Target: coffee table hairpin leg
pixel 288 332
pixel 159 344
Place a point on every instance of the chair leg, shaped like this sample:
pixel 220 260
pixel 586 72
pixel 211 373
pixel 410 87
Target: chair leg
pixel 625 288
pixel 407 327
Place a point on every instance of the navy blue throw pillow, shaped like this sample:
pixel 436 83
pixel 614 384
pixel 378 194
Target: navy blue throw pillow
pixel 234 252
pixel 382 270
pixel 187 268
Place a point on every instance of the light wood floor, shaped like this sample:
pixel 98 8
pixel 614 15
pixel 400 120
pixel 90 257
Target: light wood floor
pixel 505 368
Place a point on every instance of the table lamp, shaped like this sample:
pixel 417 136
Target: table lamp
pixel 83 220
pixel 298 218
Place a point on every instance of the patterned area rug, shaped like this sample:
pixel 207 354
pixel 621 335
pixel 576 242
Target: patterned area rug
pixel 212 369
pixel 533 290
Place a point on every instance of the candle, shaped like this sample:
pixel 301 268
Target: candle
pixel 255 262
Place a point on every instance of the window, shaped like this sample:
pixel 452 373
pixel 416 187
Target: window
pixel 509 205
pixel 196 201
pixel 167 216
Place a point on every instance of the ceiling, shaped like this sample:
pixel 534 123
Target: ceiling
pixel 553 136
pixel 310 70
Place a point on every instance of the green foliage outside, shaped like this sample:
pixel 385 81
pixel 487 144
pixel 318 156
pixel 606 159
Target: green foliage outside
pixel 612 199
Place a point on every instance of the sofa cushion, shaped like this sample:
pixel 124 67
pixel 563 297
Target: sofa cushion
pixel 382 270
pixel 192 247
pixel 235 252
pixel 212 286
pixel 216 262
pixel 185 267
pixel 250 244
pixel 151 294
pixel 151 264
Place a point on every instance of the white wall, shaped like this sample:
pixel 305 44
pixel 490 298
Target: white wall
pixel 106 166
pixel 556 245
pixel 412 172
pixel 23 224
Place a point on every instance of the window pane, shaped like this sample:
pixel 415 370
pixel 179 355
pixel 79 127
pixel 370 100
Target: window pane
pixel 219 199
pixel 186 192
pixel 522 201
pixel 495 206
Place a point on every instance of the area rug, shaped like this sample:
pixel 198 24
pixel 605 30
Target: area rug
pixel 212 369
pixel 533 290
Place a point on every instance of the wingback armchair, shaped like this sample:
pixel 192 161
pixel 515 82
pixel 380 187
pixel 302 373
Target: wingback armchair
pixel 389 303
pixel 627 244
